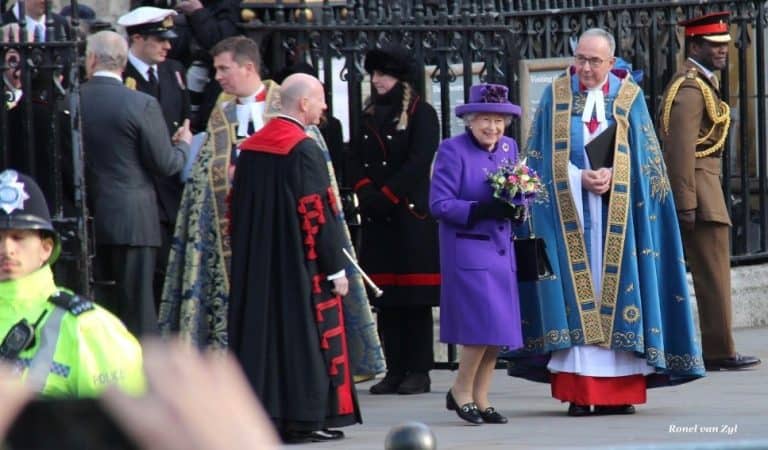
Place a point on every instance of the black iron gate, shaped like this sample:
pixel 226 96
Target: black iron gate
pixel 457 41
pixel 40 131
pixel 453 37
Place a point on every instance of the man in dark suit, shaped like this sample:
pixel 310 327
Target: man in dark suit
pixel 150 71
pixel 36 18
pixel 126 143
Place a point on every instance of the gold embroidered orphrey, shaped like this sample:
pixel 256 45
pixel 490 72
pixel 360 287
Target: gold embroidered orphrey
pixel 223 137
pixel 597 325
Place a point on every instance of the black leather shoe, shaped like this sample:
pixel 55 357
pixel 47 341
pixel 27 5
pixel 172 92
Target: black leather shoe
pixel 415 383
pixel 575 410
pixel 614 409
pixel 388 385
pixel 300 437
pixel 490 415
pixel 467 411
pixel 735 362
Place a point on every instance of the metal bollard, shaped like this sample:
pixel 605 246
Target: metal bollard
pixel 410 436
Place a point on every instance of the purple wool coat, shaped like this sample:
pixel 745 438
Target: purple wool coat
pixel 479 299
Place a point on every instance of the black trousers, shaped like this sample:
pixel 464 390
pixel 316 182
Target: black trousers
pixel 124 276
pixel 407 337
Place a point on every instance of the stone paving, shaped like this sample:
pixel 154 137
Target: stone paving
pixel 723 410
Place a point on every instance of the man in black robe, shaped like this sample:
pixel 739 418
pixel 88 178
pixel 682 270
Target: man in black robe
pixel 286 322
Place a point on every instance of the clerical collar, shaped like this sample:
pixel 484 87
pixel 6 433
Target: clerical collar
pixel 292 119
pixel 706 71
pixel 141 66
pixel 259 96
pixel 595 104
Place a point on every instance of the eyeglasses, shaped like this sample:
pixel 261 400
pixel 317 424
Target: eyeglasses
pixel 594 62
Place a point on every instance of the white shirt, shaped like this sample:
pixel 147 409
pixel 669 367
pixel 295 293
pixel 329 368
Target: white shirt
pixel 33 25
pixel 108 74
pixel 141 66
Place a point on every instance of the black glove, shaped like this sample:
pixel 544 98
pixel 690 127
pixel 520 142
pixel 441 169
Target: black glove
pixel 497 209
pixel 373 203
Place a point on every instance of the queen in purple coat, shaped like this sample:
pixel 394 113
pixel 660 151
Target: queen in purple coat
pixel 479 303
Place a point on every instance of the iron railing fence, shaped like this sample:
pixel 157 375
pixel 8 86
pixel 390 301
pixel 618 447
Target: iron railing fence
pixel 40 130
pixel 491 38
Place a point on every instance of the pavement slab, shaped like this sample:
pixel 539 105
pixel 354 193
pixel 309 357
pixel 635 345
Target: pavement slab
pixel 721 411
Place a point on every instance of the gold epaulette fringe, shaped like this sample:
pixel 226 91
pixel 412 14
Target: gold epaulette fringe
pixel 719 112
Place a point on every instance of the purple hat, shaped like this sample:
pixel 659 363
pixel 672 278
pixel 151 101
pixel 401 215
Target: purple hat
pixel 488 98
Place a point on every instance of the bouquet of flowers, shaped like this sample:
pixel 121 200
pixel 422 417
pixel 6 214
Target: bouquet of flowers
pixel 515 183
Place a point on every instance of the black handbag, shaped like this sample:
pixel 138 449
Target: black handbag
pixel 531 256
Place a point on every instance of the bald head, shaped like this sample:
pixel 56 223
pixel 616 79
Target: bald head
pixel 106 50
pixel 302 97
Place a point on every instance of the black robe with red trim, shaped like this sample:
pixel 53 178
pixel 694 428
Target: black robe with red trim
pixel 285 326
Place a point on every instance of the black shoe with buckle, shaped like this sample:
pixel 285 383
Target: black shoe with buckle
pixel 735 362
pixel 575 410
pixel 388 385
pixel 415 383
pixel 490 415
pixel 467 411
pixel 603 410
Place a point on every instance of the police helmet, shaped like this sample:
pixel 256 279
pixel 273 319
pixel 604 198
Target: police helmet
pixel 23 207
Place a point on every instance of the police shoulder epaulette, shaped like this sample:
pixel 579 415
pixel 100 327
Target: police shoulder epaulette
pixel 73 303
pixel 691 73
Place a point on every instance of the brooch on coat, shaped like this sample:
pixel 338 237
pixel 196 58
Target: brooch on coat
pixel 130 83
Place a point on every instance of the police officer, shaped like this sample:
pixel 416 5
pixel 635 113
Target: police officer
pixel 64 345
pixel 693 127
pixel 150 31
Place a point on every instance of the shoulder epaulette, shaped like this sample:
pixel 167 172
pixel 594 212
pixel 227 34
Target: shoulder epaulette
pixel 718 111
pixel 73 303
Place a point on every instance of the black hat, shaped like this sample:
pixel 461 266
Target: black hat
pixel 84 12
pixel 712 27
pixel 392 59
pixel 148 20
pixel 23 207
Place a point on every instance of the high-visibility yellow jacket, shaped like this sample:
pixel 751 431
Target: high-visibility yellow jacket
pixel 91 349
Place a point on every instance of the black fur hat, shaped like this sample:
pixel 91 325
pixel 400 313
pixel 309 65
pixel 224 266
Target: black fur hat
pixel 392 59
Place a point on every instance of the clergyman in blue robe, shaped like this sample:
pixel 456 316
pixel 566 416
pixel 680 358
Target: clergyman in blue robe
pixel 616 318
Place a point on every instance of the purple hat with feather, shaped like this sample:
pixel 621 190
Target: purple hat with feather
pixel 488 98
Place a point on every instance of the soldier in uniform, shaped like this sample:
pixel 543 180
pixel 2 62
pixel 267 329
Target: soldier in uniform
pixel 150 71
pixel 389 170
pixel 64 345
pixel 693 128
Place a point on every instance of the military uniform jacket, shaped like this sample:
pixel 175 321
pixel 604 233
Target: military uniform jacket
pixel 125 142
pixel 173 96
pixel 399 251
pixel 693 143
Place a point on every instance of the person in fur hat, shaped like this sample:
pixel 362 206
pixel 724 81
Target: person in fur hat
pixel 389 169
